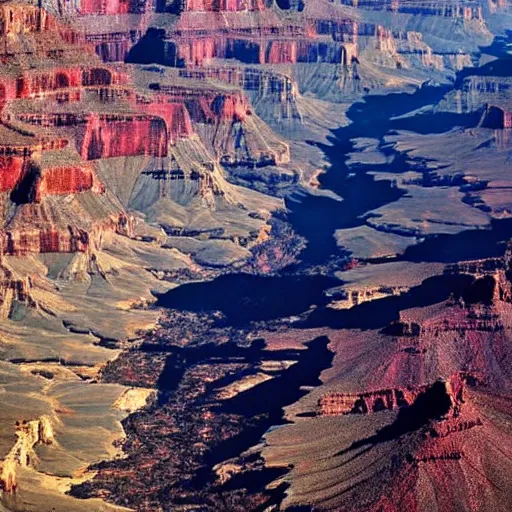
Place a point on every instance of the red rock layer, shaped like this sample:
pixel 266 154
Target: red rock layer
pixel 48 81
pixel 22 19
pixel 17 18
pixel 35 82
pixel 11 169
pixel 114 47
pixel 224 5
pixel 203 105
pixel 198 51
pixel 29 183
pixel 175 115
pixel 68 180
pixel 107 7
pixel 39 235
pixel 335 404
pixel 270 41
pixel 115 135
pixel 22 242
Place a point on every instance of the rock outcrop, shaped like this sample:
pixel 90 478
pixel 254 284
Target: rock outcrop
pixel 335 404
pixel 28 434
pixel 487 94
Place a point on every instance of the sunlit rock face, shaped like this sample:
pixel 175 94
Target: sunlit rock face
pixel 64 120
pixel 108 7
pixel 145 144
pixel 223 5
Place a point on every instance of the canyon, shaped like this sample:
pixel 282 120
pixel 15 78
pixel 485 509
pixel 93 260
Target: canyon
pixel 255 255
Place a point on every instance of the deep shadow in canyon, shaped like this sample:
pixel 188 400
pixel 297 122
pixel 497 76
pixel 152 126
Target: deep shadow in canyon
pixel 245 298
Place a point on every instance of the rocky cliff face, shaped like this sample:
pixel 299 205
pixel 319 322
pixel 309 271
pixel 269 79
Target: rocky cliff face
pixel 63 120
pixel 144 144
pixel 335 404
pixel 29 434
pixel 365 403
pixel 491 96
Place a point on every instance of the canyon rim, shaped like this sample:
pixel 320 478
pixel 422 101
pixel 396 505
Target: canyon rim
pixel 256 255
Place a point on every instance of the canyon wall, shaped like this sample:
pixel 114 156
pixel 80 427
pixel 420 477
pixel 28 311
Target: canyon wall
pixel 146 144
